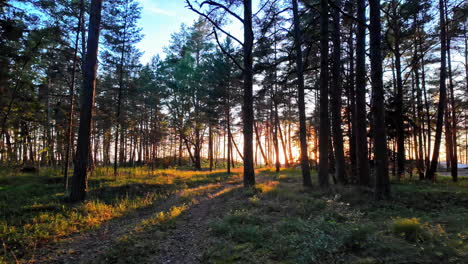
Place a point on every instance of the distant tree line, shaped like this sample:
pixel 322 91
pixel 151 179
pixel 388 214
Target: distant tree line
pixel 313 83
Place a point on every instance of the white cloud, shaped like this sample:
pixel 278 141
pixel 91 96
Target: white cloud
pixel 151 7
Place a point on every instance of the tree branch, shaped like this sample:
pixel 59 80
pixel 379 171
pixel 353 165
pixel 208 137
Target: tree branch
pixel 225 51
pixel 189 5
pixel 213 3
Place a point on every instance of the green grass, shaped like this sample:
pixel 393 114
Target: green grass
pixel 33 210
pixel 276 221
pixel 280 222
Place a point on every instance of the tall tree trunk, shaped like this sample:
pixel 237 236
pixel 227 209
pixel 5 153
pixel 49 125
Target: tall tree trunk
pixel 79 180
pixel 323 176
pixel 430 175
pixel 248 111
pixel 426 103
pixel 399 112
pixel 276 117
pixel 72 99
pixel 306 179
pixel 419 116
pixel 453 132
pixel 336 92
pixel 352 107
pixel 119 99
pixel 361 130
pixel 382 180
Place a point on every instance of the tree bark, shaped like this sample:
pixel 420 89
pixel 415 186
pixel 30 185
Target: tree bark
pixel 323 176
pixel 362 163
pixel 72 99
pixel 382 180
pixel 248 111
pixel 119 99
pixel 453 132
pixel 306 179
pixel 442 94
pixel 336 92
pixel 79 180
pixel 265 158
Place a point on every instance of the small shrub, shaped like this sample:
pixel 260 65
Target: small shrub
pixel 410 229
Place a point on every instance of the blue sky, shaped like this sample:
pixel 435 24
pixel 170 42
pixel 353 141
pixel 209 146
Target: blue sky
pixel 159 19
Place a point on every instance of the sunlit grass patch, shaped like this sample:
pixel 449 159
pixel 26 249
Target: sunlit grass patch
pixel 266 187
pixel 33 211
pixel 162 219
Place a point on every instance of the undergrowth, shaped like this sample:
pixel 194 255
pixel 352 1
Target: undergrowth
pixel 33 210
pixel 281 222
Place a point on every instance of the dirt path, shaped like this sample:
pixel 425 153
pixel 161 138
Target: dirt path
pixel 88 246
pixel 187 243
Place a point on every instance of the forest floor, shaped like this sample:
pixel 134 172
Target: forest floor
pixel 178 216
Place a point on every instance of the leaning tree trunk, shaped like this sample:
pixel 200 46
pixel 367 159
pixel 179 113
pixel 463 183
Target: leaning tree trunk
pixel 323 176
pixel 306 180
pixel 382 181
pixel 248 111
pixel 430 175
pixel 79 180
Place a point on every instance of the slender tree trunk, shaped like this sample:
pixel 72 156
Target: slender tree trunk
pixel 265 158
pixel 352 107
pixel 119 99
pixel 283 144
pixel 419 116
pixel 248 111
pixel 229 138
pixel 361 130
pixel 453 132
pixel 399 114
pixel 426 103
pixel 336 92
pixel 430 175
pixel 79 180
pixel 72 99
pixel 323 176
pixel 382 180
pixel 306 179
pixel 210 146
pixel 276 117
